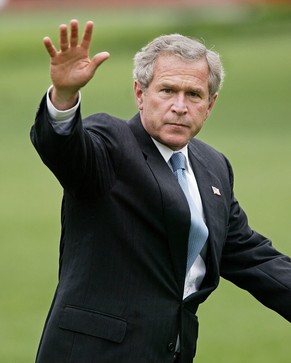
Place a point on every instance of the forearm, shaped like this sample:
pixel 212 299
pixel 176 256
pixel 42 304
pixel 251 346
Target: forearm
pixel 63 152
pixel 61 120
pixel 250 261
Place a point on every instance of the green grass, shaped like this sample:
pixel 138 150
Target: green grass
pixel 250 124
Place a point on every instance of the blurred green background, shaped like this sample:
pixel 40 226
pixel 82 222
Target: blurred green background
pixel 250 124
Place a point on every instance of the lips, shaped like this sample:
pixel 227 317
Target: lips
pixel 175 124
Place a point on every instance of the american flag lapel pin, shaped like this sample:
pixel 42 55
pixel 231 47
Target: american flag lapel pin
pixel 216 191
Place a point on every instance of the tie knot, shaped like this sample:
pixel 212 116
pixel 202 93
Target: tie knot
pixel 178 161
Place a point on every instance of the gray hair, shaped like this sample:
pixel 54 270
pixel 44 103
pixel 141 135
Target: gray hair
pixel 187 48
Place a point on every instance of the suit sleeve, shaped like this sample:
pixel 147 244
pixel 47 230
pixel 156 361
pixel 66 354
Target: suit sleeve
pixel 81 159
pixel 251 262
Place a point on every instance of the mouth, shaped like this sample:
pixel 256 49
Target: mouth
pixel 177 124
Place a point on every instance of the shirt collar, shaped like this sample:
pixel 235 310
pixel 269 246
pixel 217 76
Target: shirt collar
pixel 166 152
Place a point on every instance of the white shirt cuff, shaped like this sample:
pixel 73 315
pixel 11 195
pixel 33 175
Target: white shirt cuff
pixel 58 115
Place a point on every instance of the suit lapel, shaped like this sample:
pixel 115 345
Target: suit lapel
pixel 211 201
pixel 175 206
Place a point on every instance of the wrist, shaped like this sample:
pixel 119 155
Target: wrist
pixel 63 100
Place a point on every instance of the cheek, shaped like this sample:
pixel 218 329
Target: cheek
pixel 153 114
pixel 150 121
pixel 202 113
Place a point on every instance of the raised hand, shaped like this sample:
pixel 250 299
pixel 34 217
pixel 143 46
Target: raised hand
pixel 71 67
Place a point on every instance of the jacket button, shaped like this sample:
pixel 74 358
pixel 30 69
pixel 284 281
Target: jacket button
pixel 171 347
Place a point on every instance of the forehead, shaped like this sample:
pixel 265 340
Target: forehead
pixel 172 67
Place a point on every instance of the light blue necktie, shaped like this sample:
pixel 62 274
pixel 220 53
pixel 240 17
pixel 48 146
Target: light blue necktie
pixel 198 233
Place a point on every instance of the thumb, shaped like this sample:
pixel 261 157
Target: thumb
pixel 98 59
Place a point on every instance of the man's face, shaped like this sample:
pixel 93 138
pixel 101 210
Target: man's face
pixel 176 103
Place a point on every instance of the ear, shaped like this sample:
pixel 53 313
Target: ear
pixel 138 92
pixel 211 104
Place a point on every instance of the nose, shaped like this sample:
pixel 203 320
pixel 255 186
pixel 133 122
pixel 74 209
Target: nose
pixel 179 104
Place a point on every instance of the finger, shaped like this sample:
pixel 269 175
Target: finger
pixel 64 44
pixel 98 59
pixel 49 47
pixel 87 36
pixel 74 33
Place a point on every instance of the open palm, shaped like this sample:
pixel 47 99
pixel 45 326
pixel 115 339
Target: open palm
pixel 71 67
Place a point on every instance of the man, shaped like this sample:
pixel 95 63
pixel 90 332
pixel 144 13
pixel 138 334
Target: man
pixel 144 238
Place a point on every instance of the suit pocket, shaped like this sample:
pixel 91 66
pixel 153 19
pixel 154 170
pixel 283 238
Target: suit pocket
pixel 93 323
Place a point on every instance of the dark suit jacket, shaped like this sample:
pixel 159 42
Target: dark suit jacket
pixel 125 224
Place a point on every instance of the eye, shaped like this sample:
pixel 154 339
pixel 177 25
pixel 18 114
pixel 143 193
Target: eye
pixel 168 91
pixel 193 94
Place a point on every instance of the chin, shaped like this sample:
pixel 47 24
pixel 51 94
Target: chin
pixel 175 145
